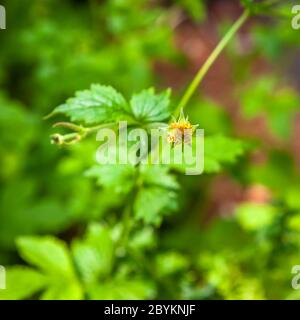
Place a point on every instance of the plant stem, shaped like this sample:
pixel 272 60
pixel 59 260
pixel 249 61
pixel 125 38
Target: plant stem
pixel 90 130
pixel 211 59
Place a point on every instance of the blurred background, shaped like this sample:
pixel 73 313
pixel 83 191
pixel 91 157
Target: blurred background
pixel 236 233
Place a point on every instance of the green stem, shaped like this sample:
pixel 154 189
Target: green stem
pixel 90 130
pixel 211 59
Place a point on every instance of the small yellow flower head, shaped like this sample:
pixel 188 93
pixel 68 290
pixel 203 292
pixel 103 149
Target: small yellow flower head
pixel 179 129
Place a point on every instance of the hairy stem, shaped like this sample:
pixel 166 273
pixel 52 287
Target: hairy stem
pixel 211 59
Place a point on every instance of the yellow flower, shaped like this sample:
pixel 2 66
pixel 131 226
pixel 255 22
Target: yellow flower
pixel 179 129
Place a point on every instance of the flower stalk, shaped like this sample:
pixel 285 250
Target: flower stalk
pixel 209 62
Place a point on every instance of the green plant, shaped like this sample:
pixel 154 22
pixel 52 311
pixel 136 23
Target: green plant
pixel 137 185
pixel 147 244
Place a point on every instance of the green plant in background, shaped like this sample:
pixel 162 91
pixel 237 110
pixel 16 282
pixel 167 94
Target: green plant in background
pixel 51 200
pixel 141 248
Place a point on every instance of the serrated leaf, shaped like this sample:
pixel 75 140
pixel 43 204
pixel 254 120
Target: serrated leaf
pixel 93 255
pixel 162 202
pixel 150 107
pixel 158 175
pixel 22 282
pixel 48 254
pixel 99 104
pixel 220 150
pixel 118 177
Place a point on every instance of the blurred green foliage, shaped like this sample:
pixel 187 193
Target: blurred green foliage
pixel 70 229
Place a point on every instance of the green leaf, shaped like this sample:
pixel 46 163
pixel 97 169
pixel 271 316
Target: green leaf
pixel 100 104
pixel 170 263
pixel 94 254
pixel 63 290
pixel 21 283
pixel 158 175
pixel 254 216
pixel 143 239
pixel 120 178
pixel 162 202
pixel 120 289
pixel 150 107
pixel 220 150
pixel 47 253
